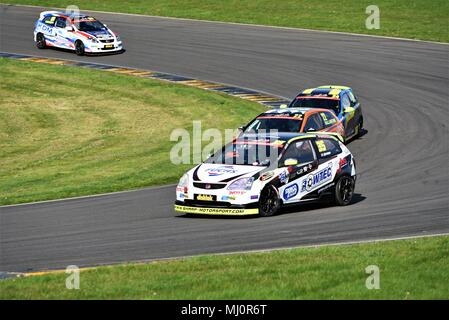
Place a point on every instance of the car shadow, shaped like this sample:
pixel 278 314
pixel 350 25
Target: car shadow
pixel 363 132
pixel 304 207
pixel 87 54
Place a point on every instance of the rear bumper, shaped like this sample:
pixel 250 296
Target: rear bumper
pixel 216 210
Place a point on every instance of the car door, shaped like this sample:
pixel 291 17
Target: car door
pixel 331 123
pixel 326 169
pixel 47 27
pixel 358 109
pixel 62 38
pixel 305 155
pixel 349 112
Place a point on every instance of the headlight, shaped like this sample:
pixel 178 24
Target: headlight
pixel 117 37
pixel 184 181
pixel 94 40
pixel 242 184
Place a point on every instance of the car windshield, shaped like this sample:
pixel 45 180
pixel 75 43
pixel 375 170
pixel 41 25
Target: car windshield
pixel 303 102
pixel 241 152
pixel 90 25
pixel 275 123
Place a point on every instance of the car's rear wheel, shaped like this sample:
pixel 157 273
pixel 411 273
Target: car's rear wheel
pixel 40 41
pixel 79 48
pixel 269 202
pixel 344 190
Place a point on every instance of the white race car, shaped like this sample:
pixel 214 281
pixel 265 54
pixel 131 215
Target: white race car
pixel 259 173
pixel 83 34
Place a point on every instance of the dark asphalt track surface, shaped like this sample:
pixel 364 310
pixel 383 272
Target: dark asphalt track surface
pixel 402 189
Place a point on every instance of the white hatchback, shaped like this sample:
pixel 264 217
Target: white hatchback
pixel 81 33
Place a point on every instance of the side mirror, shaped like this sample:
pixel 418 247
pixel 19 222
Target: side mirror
pixel 283 106
pixel 290 162
pixel 69 28
pixel 348 110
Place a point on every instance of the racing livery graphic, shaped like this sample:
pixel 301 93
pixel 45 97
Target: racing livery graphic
pixel 339 99
pixel 81 33
pixel 259 173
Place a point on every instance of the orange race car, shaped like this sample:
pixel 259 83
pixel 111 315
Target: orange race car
pixel 296 120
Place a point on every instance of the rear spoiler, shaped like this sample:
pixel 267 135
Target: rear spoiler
pixel 334 135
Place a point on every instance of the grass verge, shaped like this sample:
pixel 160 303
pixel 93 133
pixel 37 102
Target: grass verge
pixel 416 19
pixel 67 131
pixel 409 269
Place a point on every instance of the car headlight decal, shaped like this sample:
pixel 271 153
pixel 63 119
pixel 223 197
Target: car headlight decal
pixel 242 184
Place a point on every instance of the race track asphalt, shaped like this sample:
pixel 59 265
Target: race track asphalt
pixel 402 188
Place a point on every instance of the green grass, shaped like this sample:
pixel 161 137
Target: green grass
pixel 416 19
pixel 67 131
pixel 409 269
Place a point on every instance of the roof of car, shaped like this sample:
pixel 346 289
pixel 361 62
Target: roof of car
pixel 327 91
pixel 65 15
pixel 297 113
pixel 285 112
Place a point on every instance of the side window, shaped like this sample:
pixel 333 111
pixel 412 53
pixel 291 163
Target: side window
pixel 328 119
pixel 353 98
pixel 50 20
pixel 327 147
pixel 345 102
pixel 314 123
pixel 60 22
pixel 300 150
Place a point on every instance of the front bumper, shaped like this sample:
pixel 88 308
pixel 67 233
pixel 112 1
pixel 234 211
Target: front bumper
pixel 241 210
pixel 104 47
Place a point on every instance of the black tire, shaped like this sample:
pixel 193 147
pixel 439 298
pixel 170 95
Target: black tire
pixel 79 48
pixel 344 190
pixel 269 202
pixel 40 41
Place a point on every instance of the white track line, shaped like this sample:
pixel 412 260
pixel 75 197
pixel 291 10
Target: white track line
pixel 241 24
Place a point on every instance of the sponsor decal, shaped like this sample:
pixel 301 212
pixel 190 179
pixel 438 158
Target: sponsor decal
pixel 254 197
pixel 181 195
pixel 237 193
pixel 283 177
pixel 205 197
pixel 215 210
pixel 291 191
pixel 316 179
pixel 226 198
pixel 213 172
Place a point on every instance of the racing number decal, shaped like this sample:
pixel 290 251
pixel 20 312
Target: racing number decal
pixel 321 146
pixel 51 20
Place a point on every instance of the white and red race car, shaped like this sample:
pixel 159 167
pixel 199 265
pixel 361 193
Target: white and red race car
pixel 81 33
pixel 260 173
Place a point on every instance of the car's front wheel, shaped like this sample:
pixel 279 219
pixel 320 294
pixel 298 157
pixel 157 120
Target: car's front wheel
pixel 40 41
pixel 79 48
pixel 344 190
pixel 269 202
